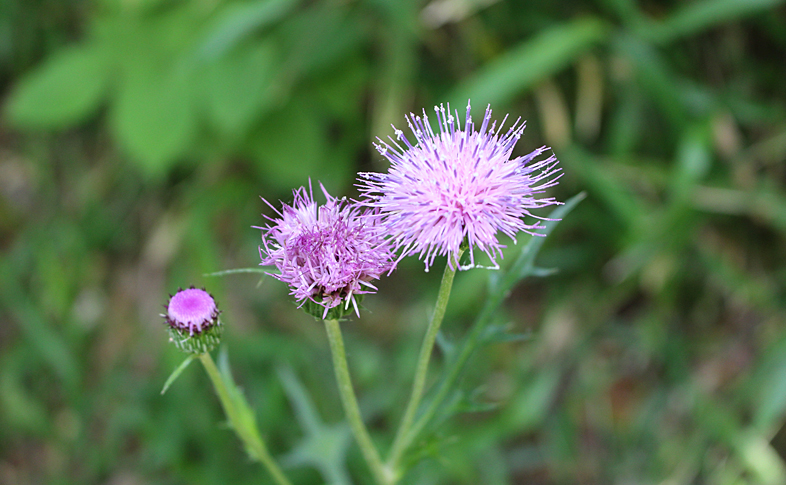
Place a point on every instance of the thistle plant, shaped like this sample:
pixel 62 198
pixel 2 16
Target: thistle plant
pixel 192 316
pixel 328 254
pixel 453 191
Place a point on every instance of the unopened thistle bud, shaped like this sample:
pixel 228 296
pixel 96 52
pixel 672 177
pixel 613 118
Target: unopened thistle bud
pixel 193 321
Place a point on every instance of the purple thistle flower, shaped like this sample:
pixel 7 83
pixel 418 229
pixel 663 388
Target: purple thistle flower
pixel 327 254
pixel 457 185
pixel 193 321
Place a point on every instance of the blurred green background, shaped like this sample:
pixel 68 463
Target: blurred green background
pixel 138 135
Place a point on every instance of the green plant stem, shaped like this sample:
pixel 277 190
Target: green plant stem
pixel 250 437
pixel 381 475
pixel 402 441
pixel 520 269
pixel 454 371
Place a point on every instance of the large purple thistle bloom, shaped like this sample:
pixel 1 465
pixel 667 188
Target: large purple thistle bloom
pixel 456 185
pixel 327 254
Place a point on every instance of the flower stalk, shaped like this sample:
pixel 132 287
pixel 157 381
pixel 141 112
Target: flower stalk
pixel 382 475
pixel 249 435
pixel 402 440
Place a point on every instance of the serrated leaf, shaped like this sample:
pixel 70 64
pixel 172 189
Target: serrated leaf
pixel 153 118
pixel 64 90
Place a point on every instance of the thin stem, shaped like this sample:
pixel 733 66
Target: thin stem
pixel 250 437
pixel 402 440
pixel 381 475
pixel 453 372
pixel 520 269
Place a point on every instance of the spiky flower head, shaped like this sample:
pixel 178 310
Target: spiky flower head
pixel 327 254
pixel 457 186
pixel 193 321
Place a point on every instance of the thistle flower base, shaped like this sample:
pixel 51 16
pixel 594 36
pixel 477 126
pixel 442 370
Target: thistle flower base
pixel 200 343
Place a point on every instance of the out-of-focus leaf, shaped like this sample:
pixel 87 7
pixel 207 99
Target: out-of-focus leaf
pixel 239 87
pixel 466 402
pixel 655 75
pixel 751 447
pixel 153 118
pixel 626 123
pixel 502 334
pixel 289 145
pixel 320 36
pixel 769 399
pixel 603 184
pixel 176 373
pixel 530 405
pixel 625 9
pixel 239 20
pixel 393 85
pixel 446 347
pixel 538 58
pixel 698 15
pixel 46 339
pixel 760 458
pixel 67 88
pixel 694 160
pixel 526 260
pixel 247 420
pixel 324 446
pixel 20 409
pixel 305 410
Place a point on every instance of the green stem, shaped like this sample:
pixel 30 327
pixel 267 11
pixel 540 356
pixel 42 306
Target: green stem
pixel 250 437
pixel 520 269
pixel 452 374
pixel 381 475
pixel 402 440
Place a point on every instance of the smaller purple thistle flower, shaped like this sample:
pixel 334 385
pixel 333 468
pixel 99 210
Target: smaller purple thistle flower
pixel 457 187
pixel 192 315
pixel 327 254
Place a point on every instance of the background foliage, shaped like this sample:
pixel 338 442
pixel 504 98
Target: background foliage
pixel 137 136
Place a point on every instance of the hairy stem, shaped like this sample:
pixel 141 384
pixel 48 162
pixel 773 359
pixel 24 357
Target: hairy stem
pixel 402 441
pixel 351 409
